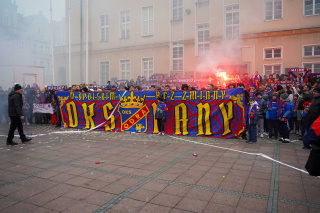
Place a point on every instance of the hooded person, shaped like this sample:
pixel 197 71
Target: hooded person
pixel 15 112
pixel 269 91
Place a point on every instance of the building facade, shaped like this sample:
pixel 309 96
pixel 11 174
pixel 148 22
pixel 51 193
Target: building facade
pixel 25 40
pixel 127 39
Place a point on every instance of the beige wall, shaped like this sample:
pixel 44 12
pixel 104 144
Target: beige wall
pixel 290 33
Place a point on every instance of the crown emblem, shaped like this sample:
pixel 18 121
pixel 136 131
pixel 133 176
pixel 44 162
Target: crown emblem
pixel 132 101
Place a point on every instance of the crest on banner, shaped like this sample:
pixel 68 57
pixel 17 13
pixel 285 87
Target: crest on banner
pixel 133 113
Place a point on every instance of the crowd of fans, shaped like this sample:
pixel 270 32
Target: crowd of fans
pixel 297 92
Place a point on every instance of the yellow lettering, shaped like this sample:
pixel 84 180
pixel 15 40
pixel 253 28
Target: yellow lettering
pixel 89 97
pixel 102 98
pixel 155 123
pixel 165 93
pixel 88 117
pixel 172 95
pixel 201 95
pixel 106 115
pixel 227 115
pixel 206 108
pixel 184 95
pixel 157 94
pixel 112 96
pixel 193 96
pixel 98 96
pixel 181 119
pixel 84 96
pixel 72 114
pixel 137 116
pixel 131 121
pixel 223 93
pixel 208 95
pixel 72 95
pixel 80 96
pixel 215 95
pixel 144 112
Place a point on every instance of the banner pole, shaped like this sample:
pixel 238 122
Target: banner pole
pixel 110 114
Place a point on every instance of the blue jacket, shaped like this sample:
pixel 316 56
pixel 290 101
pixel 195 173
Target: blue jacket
pixel 284 109
pixel 252 114
pixel 273 106
pixel 294 104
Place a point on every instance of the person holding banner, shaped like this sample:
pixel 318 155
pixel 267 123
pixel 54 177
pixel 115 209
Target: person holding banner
pixel 161 115
pixel 16 114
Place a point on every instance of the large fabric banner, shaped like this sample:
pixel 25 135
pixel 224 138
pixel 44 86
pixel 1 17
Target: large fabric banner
pixel 42 108
pixel 218 113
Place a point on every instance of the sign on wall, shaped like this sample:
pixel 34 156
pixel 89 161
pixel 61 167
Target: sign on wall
pixel 218 113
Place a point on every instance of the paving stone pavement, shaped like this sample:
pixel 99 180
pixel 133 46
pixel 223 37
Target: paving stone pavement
pixel 151 173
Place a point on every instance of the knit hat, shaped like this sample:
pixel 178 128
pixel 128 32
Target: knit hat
pixel 253 85
pixel 275 94
pixel 17 87
pixel 284 96
pixel 279 87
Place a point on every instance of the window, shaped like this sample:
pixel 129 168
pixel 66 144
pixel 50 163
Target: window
pixel 147 21
pixel 125 24
pixel 269 69
pixel 6 20
pixel 177 56
pixel 311 51
pixel 104 72
pixel 272 53
pixel 201 1
pixel 314 67
pixel 104 28
pixel 232 21
pixel 147 65
pixel 34 48
pixel 311 7
pixel 125 69
pixel 177 7
pixel 41 49
pixel 203 39
pixel 273 9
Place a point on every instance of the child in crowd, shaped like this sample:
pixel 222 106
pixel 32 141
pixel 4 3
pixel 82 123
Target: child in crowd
pixel 161 115
pixel 294 125
pixel 25 110
pixel 272 116
pixel 252 118
pixel 262 106
pixel 284 116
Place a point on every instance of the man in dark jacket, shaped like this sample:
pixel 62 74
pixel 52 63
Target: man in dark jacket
pixel 15 113
pixel 314 111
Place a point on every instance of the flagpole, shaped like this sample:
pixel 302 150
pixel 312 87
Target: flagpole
pixel 87 44
pixel 52 50
pixel 70 43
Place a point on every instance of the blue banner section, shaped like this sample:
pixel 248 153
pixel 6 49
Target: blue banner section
pixel 212 113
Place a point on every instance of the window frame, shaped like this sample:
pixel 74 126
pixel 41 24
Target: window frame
pixel 233 36
pixel 310 45
pixel 272 48
pixel 198 43
pixel 149 20
pixel 106 27
pixel 149 69
pixel 107 76
pixel 126 24
pixel 179 10
pixel 272 65
pixel 313 8
pixel 313 63
pixel 179 44
pixel 121 71
pixel 273 10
